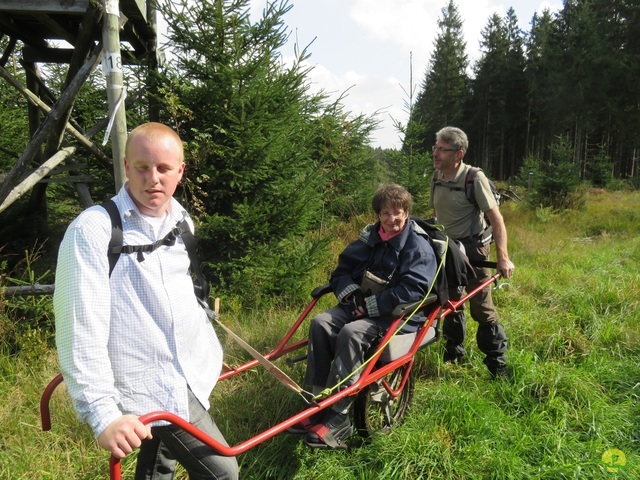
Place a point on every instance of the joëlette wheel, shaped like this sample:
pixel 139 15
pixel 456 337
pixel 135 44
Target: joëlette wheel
pixel 376 411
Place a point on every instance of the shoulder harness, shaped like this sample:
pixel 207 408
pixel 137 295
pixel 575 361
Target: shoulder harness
pixel 116 248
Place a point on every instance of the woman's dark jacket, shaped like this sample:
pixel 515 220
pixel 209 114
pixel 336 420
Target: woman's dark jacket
pixel 407 261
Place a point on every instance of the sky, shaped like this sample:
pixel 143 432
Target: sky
pixel 376 50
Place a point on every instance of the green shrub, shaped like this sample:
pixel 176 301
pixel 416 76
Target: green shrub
pixel 558 182
pixel 26 321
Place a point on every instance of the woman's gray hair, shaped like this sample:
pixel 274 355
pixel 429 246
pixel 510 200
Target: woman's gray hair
pixel 454 137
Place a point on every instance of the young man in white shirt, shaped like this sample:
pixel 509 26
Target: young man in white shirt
pixel 136 340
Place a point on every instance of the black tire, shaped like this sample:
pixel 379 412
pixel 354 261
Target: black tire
pixel 375 411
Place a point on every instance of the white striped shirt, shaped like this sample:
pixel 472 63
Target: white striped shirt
pixel 132 342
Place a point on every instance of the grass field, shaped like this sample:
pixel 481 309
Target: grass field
pixel 571 408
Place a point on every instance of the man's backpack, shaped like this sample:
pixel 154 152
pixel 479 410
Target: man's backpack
pixel 469 187
pixel 469 191
pixel 457 269
pixel 116 248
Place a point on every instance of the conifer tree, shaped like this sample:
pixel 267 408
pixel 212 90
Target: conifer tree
pixel 498 99
pixel 539 72
pixel 266 159
pixel 445 87
pixel 488 101
pixel 513 147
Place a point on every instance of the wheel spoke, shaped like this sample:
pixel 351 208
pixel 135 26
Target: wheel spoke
pixel 388 414
pixel 376 411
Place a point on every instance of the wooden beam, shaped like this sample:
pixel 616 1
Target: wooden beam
pixel 46 6
pixel 38 174
pixel 63 55
pixel 68 179
pixel 86 28
pixel 8 51
pixel 66 99
pixel 16 30
pixel 55 27
pixel 153 62
pixel 135 38
pixel 134 9
pixel 66 168
pixel 43 91
pixel 35 289
pixel 33 98
pixel 112 69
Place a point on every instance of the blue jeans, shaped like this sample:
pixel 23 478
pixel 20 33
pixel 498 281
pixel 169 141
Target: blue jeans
pixel 157 457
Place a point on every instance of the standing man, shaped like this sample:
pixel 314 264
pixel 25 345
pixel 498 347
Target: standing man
pixel 136 340
pixel 465 222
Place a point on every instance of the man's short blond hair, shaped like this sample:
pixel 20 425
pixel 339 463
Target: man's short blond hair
pixel 154 131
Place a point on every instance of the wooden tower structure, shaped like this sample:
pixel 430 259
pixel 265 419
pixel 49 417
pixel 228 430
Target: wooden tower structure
pixel 83 34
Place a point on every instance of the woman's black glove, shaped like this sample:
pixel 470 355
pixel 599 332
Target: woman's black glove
pixel 357 304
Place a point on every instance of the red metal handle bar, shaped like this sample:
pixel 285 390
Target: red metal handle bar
pixel 45 413
pixel 114 463
pixel 453 305
pixel 365 379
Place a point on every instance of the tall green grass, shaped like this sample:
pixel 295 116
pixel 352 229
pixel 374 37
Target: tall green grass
pixel 572 313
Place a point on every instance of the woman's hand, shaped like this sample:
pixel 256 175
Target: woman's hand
pixel 358 304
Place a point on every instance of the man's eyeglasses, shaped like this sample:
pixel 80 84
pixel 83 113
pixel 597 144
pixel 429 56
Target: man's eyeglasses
pixel 442 149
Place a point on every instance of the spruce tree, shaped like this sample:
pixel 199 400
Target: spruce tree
pixel 541 79
pixel 489 99
pixel 266 159
pixel 446 84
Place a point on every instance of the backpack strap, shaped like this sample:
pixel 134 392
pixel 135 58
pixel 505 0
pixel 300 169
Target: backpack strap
pixel 484 237
pixel 201 286
pixel 467 189
pixel 168 240
pixel 457 268
pixel 115 244
pixel 434 181
pixel 469 185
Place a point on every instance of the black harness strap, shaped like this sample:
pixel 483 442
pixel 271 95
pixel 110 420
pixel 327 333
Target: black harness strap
pixel 483 264
pixel 201 286
pixel 169 240
pixel 115 244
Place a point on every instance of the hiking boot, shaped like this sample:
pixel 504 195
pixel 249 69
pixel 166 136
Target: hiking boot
pixel 452 357
pixel 331 433
pixel 453 354
pixel 304 425
pixel 499 372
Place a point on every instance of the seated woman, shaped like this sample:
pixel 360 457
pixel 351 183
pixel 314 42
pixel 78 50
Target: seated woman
pixel 388 265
